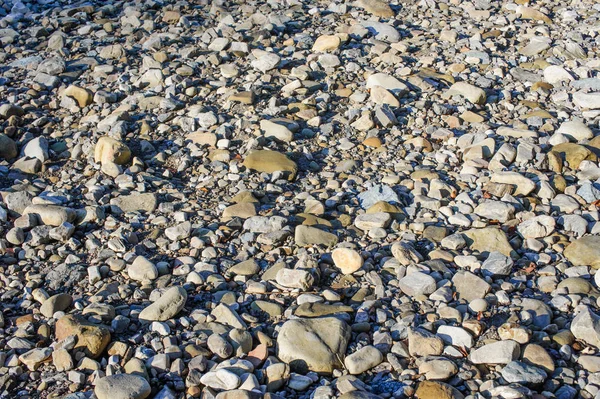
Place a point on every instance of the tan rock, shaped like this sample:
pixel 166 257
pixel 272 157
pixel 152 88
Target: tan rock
pixel 379 8
pixel 347 260
pixel 91 338
pixel 326 43
pixel 110 150
pixel 270 161
pixel 83 96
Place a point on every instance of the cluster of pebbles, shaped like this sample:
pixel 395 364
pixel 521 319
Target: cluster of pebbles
pixel 240 199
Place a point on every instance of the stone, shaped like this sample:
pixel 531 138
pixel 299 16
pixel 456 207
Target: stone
pixel 586 327
pixel 307 236
pixel 584 251
pixel 417 283
pixel 266 62
pixel 370 221
pixel 92 339
pixel 313 344
pixel 270 161
pixel 495 210
pixel 326 43
pixel 55 303
pixel 538 356
pixel 586 100
pixel 469 286
pixel 276 131
pixel 488 239
pixel 379 8
pixel 523 373
pixel 37 148
pixel 424 343
pixel 456 336
pixel 437 368
pixel 82 96
pixel 136 202
pixel 170 303
pixel 142 270
pixel 575 130
pixel 497 264
pixel 51 215
pixel 472 93
pixel 501 352
pixel 437 390
pixel 122 386
pixel 377 194
pixel 294 278
pixel 8 148
pixel 537 227
pixel 109 150
pixel 388 82
pixel 347 260
pixel 363 360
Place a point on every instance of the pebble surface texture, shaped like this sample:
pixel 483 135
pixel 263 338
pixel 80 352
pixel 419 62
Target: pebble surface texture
pixel 248 199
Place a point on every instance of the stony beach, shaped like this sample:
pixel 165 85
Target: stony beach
pixel 304 199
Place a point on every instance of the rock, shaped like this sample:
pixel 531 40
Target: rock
pixel 266 62
pixel 276 131
pixel 306 236
pixel 37 148
pixel 495 210
pixel 537 227
pixel 523 373
pixel 472 93
pixel 326 43
pixel 488 240
pixel 523 185
pixel 379 8
pixel 497 264
pixel 137 202
pixel 34 357
pixel 92 339
pixel 437 368
pixel 55 303
pixel 584 251
pixel 501 352
pixel 313 344
pixel 417 283
pixel 575 130
pixel 347 260
pixel 456 336
pixel 363 359
pixel 423 343
pixel 221 380
pixel 540 314
pixel 109 150
pixel 51 215
pixel 437 390
pixel 536 355
pixel 270 161
pixel 370 221
pixel 142 270
pixel 388 82
pixel 82 96
pixel 586 327
pixel 170 303
pixel 8 148
pixel 469 286
pixel 122 386
pixel 590 363
pixel 586 100
pixel 294 278
pixel 377 194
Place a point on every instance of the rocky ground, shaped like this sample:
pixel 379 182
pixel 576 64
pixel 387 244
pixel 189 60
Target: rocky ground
pixel 299 199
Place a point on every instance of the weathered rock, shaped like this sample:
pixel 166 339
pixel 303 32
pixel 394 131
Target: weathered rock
pixel 313 344
pixel 270 161
pixel 92 339
pixel 122 386
pixel 501 352
pixel 584 251
pixel 170 303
